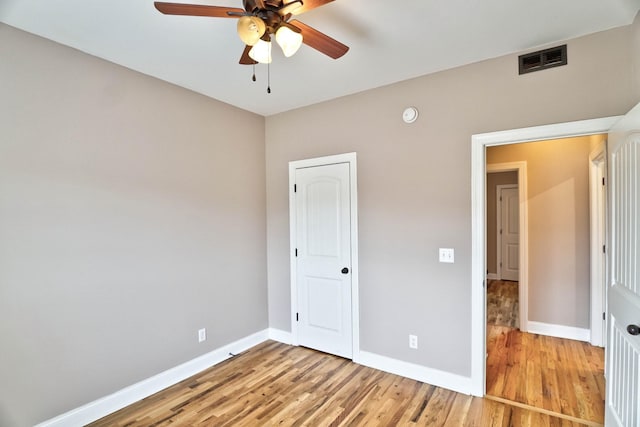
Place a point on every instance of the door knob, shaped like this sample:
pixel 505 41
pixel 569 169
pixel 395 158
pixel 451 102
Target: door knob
pixel 345 270
pixel 633 329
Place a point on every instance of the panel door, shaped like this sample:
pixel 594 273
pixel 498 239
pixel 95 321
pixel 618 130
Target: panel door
pixel 323 221
pixel 623 340
pixel 510 234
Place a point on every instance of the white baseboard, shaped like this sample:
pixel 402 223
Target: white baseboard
pixel 492 276
pixel 559 331
pixel 431 376
pixel 99 408
pixel 280 336
pixel 435 377
pixel 106 405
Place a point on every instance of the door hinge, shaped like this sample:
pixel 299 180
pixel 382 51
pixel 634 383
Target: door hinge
pixel 295 188
pixel 501 231
pixel 500 263
pixel 297 319
pixel 500 198
pixel 603 180
pixel 296 251
pixel 604 316
pixel 604 249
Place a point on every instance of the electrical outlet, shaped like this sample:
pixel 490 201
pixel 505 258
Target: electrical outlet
pixel 413 341
pixel 446 255
pixel 202 334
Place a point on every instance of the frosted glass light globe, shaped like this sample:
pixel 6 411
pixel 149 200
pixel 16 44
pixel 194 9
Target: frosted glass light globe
pixel 250 29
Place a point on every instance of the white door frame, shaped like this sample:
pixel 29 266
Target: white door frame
pixel 499 189
pixel 598 238
pixel 349 158
pixel 479 143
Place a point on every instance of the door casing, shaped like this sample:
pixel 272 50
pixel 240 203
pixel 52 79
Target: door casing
pixel 479 143
pixel 598 238
pixel 349 158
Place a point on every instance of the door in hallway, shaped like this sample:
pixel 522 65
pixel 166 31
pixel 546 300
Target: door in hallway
pixel 509 232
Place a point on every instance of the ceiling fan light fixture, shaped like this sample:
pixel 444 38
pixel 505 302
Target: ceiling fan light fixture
pixel 261 52
pixel 250 29
pixel 289 40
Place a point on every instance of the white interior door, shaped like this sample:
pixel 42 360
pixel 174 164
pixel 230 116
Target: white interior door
pixel 323 261
pixel 509 233
pixel 623 340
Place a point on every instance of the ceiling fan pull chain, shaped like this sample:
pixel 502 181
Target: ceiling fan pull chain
pixel 268 78
pixel 253 78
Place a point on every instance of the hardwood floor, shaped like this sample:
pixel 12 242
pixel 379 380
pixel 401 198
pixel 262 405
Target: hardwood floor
pixel 276 384
pixel 557 375
pixel 502 303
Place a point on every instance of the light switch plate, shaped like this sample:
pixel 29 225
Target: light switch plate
pixel 446 255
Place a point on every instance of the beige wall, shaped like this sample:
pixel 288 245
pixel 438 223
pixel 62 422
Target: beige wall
pixel 558 235
pixel 493 180
pixel 133 210
pixel 132 213
pixel 414 183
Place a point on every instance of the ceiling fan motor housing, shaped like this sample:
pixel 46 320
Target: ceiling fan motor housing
pixel 268 11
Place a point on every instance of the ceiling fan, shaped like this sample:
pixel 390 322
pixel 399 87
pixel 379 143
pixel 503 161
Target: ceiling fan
pixel 260 20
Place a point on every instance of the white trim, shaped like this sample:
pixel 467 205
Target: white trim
pixel 99 408
pixel 478 268
pixel 478 222
pixel 559 331
pixel 421 373
pixel 492 276
pixel 598 238
pixel 541 133
pixel 523 213
pixel 280 336
pixel 355 299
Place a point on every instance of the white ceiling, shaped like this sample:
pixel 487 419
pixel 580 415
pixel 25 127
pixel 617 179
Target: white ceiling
pixel 389 41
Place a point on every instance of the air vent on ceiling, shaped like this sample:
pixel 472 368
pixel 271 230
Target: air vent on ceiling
pixel 543 59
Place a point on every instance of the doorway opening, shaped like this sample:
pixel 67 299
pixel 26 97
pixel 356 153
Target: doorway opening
pixel 503 242
pixel 500 295
pixel 557 265
pixel 478 265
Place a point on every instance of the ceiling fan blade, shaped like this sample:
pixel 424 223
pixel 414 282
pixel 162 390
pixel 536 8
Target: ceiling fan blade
pixel 308 5
pixel 320 41
pixel 245 59
pixel 197 10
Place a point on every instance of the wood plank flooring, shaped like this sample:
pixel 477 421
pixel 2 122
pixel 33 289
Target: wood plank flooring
pixel 553 374
pixel 559 375
pixel 276 384
pixel 502 303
